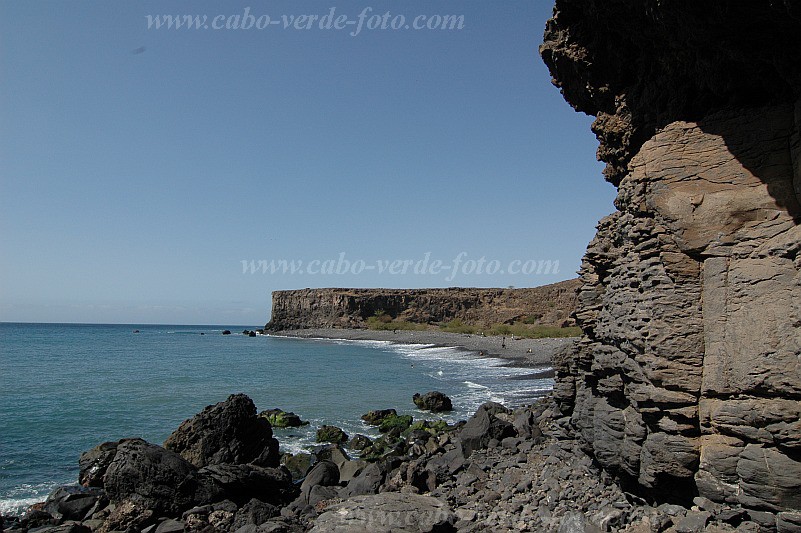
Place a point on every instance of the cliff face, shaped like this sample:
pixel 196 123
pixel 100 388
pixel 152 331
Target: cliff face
pixel 349 308
pixel 688 378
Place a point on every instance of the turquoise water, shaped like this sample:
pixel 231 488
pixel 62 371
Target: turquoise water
pixel 65 388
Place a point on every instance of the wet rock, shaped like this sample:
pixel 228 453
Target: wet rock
pixel 434 401
pixel 374 418
pixel 279 418
pixel 228 432
pixel 331 434
pixel 359 442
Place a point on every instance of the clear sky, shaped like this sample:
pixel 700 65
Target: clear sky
pixel 140 167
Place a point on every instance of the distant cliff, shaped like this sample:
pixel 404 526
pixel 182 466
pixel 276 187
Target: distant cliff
pixel 550 305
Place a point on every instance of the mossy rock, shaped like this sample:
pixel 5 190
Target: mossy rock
pixel 395 422
pixel 297 464
pixel 374 418
pixel 331 434
pixel 435 428
pixel 383 447
pixel 282 419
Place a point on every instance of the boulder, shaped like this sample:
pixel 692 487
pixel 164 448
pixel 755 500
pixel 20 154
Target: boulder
pixel 93 464
pixel 324 473
pixel 367 481
pixel 331 434
pixel 359 442
pixel 483 427
pixel 226 433
pixel 434 401
pixel 389 512
pixel 374 418
pixel 241 483
pixel 156 479
pixel 226 332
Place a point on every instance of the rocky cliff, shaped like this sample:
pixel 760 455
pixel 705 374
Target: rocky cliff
pixel 349 308
pixel 688 377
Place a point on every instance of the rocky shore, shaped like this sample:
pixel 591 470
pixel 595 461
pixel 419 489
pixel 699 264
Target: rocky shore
pixel 501 470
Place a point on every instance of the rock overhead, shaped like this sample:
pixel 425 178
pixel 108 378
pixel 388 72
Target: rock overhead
pixel 688 377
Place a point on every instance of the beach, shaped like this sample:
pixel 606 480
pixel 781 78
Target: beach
pixel 518 352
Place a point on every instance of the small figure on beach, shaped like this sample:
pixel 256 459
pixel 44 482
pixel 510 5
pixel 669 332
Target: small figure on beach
pixel 481 353
pixel 528 351
pixel 503 342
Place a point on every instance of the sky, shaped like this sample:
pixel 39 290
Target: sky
pixel 162 175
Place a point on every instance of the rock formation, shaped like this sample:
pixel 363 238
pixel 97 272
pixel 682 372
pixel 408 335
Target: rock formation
pixel 550 305
pixel 688 378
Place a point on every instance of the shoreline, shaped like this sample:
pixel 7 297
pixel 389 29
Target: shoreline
pixel 523 353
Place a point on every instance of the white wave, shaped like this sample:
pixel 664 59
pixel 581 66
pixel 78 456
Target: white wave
pixel 19 499
pixel 472 385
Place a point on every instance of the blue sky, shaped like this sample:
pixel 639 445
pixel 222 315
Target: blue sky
pixel 139 168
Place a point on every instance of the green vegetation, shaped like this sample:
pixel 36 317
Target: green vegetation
pixel 438 426
pixel 524 330
pixel 457 326
pixel 401 422
pixel 383 322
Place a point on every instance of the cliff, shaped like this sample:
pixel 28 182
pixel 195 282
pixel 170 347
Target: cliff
pixel 349 308
pixel 688 378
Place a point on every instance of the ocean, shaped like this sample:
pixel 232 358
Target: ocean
pixel 65 388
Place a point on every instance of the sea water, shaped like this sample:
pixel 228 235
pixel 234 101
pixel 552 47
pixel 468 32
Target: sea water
pixel 65 388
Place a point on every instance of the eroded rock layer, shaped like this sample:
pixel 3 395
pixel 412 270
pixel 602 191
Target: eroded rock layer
pixel 688 378
pixel 549 305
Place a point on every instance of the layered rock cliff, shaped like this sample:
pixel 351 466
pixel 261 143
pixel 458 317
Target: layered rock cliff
pixel 550 305
pixel 688 377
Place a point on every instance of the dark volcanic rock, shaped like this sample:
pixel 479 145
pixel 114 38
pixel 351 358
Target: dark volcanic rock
pixel 228 432
pixel 483 427
pixel 433 401
pixel 157 479
pixel 360 442
pixel 93 464
pixel 240 483
pixel 324 473
pixel 73 502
